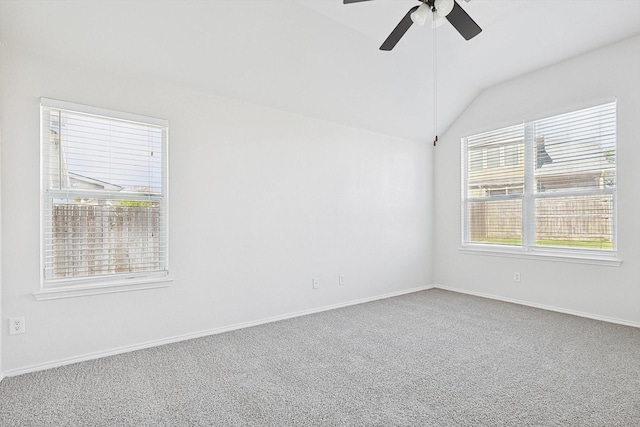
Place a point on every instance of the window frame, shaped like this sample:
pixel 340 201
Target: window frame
pixel 106 283
pixel 528 249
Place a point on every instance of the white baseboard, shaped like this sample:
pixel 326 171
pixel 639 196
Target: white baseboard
pixel 184 337
pixel 542 306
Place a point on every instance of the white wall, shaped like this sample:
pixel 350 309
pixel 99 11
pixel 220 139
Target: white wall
pixel 2 321
pixel 261 202
pixel 599 291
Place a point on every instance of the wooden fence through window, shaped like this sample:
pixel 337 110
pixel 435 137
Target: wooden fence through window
pixel 91 240
pixel 577 219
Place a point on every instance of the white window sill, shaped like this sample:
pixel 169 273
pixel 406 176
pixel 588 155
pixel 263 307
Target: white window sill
pixel 547 255
pixel 74 291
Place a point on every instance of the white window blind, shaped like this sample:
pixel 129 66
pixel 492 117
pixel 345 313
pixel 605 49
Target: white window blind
pixel 494 186
pixel 544 184
pixel 104 194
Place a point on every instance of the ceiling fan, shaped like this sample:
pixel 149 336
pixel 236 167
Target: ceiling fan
pixel 441 9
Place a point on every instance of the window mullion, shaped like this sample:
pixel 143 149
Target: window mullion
pixel 528 201
pixel 463 191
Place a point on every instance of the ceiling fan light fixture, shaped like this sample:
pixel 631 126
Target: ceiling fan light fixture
pixel 440 11
pixel 420 15
pixel 443 7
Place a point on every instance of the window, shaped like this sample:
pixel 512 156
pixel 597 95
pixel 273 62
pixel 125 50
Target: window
pixel 544 185
pixel 104 198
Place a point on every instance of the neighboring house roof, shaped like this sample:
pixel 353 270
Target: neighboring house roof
pixel 85 182
pixel 591 158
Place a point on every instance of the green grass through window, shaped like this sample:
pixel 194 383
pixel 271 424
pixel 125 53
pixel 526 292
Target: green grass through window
pixel 579 244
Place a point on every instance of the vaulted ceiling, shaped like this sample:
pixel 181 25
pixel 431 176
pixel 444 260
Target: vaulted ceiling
pixel 320 58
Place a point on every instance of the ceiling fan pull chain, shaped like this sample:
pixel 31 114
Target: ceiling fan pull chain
pixel 435 82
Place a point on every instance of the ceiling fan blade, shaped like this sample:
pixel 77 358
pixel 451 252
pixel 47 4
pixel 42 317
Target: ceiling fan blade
pixel 462 22
pixel 399 31
pixel 353 1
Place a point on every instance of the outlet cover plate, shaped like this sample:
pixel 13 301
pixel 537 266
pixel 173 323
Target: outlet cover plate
pixel 16 325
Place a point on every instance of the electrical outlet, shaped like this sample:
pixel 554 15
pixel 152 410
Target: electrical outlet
pixel 16 325
pixel 516 277
pixel 341 280
pixel 316 283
